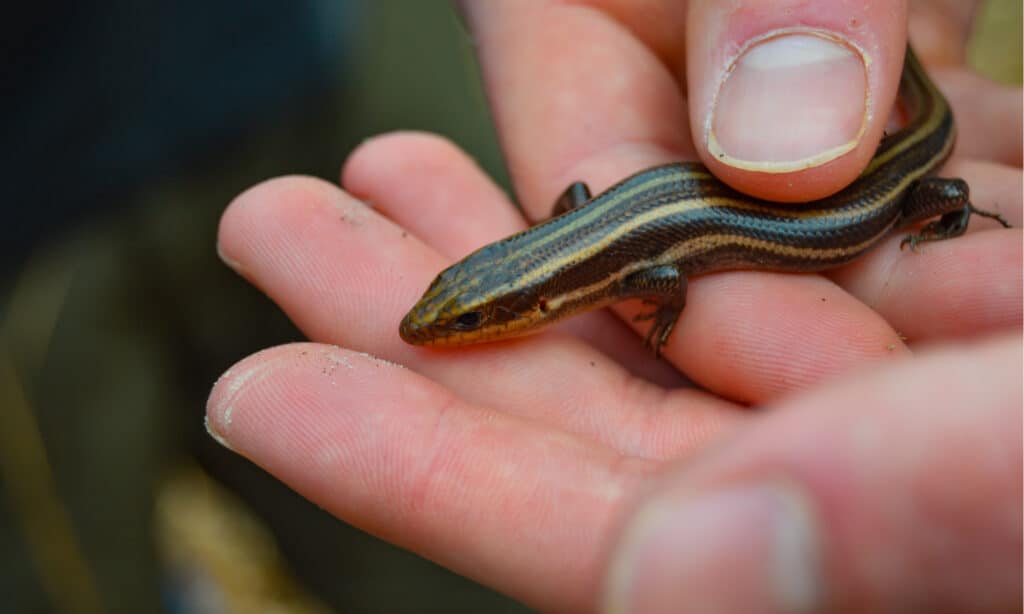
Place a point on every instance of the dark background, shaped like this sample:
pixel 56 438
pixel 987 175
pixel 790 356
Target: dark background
pixel 127 128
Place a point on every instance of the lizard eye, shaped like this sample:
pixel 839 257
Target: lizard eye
pixel 468 321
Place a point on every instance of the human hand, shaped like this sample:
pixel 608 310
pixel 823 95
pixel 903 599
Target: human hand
pixel 520 464
pixel 591 90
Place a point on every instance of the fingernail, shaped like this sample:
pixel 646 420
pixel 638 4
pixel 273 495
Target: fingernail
pixel 234 265
pixel 221 407
pixel 790 102
pixel 751 549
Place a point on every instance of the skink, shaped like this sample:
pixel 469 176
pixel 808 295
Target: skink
pixel 645 236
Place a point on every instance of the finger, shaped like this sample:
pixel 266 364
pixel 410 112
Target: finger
pixel 345 275
pixel 896 490
pixel 430 187
pixel 959 287
pixel 753 336
pixel 988 116
pixel 789 99
pixel 940 29
pixel 952 289
pixel 577 94
pixel 504 501
pixel 656 23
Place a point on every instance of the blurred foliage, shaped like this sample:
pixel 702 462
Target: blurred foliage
pixel 996 48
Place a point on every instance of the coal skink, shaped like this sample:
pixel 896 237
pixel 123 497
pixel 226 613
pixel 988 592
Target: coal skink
pixel 645 236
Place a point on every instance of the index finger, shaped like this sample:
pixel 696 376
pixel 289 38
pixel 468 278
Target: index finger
pixel 596 90
pixel 576 94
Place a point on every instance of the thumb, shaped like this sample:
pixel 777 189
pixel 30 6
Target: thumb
pixel 790 99
pixel 895 490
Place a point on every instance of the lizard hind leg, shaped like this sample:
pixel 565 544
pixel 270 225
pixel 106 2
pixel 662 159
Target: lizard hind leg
pixel 949 198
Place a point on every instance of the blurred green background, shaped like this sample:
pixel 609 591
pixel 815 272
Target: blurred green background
pixel 131 127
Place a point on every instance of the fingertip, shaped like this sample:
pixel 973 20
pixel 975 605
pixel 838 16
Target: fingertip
pixel 292 408
pixel 424 183
pixel 774 524
pixel 263 199
pixel 390 153
pixel 261 206
pixel 234 385
pixel 789 105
